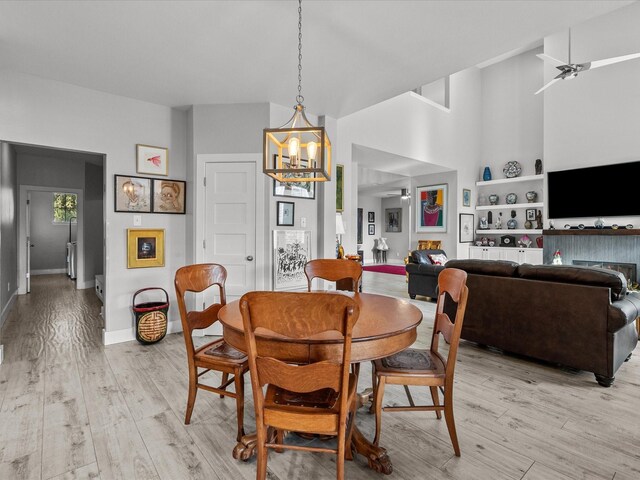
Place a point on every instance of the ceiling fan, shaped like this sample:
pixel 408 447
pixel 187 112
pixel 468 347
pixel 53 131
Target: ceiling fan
pixel 571 70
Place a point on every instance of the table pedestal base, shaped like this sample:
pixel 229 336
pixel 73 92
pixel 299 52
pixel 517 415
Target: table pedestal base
pixel 376 456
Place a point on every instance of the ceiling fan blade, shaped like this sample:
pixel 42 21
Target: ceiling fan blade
pixel 548 85
pixel 607 61
pixel 549 59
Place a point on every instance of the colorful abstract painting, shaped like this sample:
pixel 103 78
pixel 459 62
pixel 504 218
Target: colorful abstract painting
pixel 431 208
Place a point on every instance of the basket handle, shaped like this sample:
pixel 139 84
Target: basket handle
pixel 150 288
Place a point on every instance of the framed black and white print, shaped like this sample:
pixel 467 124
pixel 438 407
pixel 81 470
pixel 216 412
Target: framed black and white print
pixel 466 227
pixel 372 229
pixel 371 217
pixel 531 214
pixel 286 214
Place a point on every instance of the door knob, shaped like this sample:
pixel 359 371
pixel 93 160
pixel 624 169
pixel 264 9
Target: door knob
pixel 250 258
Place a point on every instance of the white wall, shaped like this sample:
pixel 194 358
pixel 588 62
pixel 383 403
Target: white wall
pixel 368 204
pixel 49 240
pixel 407 126
pixel 593 119
pixel 44 112
pixel 398 242
pixel 8 229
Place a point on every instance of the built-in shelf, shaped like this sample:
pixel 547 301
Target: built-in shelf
pixel 508 231
pixel 526 178
pixel 503 206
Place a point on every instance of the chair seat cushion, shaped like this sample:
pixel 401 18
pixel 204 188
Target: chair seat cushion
pixel 220 350
pixel 411 360
pixel 326 398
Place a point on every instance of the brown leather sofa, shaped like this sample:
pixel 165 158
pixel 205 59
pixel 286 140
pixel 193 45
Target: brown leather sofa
pixel 580 317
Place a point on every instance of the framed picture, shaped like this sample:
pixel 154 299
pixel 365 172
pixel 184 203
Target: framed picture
pixel 431 208
pixel 339 188
pixel 360 227
pixel 372 229
pixel 169 196
pixel 132 194
pixel 466 227
pixel 466 197
pixel 531 214
pixel 285 214
pixel 152 160
pixel 291 252
pixel 294 189
pixel 145 248
pixel 371 217
pixel 393 220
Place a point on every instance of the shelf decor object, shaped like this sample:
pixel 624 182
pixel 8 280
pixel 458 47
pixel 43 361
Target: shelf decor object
pixel 307 146
pixel 486 175
pixel 511 198
pixel 512 169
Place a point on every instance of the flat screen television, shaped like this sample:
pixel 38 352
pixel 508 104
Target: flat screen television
pixel 603 191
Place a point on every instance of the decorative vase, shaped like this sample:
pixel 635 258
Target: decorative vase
pixel 599 223
pixel 512 224
pixel 382 244
pixel 493 199
pixel 511 198
pixel 486 175
pixel 528 225
pixel 539 241
pixel 531 196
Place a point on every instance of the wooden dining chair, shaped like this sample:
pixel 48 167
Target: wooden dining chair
pixel 311 398
pixel 334 270
pixel 216 355
pixel 428 368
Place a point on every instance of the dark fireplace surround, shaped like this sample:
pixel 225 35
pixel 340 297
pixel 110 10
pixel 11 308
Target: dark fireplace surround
pixel 608 248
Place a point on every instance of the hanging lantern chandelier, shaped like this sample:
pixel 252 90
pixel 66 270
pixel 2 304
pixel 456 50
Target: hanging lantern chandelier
pixel 297 151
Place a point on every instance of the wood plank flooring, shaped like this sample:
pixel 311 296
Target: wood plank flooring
pixel 73 409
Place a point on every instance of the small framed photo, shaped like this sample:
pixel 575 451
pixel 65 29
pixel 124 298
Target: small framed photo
pixel 152 160
pixel 531 214
pixel 286 214
pixel 466 227
pixel 371 217
pixel 145 248
pixel 372 229
pixel 466 197
pixel 132 194
pixel 169 196
pixel 393 220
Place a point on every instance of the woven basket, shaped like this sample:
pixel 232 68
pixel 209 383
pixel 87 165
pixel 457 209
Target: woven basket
pixel 151 318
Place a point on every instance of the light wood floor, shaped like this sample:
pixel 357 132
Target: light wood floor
pixel 70 408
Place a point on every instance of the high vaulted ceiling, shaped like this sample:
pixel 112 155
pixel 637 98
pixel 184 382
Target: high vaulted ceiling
pixel 355 54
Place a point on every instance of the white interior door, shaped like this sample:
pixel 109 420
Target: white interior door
pixel 28 242
pixel 230 225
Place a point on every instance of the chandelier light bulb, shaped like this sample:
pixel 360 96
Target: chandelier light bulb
pixel 294 151
pixel 312 149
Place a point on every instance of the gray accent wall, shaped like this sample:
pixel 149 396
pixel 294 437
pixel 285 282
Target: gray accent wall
pixel 49 240
pixel 93 221
pixel 8 229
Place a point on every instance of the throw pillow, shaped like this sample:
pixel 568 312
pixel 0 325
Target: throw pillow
pixel 439 259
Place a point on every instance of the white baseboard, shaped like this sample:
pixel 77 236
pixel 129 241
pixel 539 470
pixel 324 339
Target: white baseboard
pixel 87 284
pixel 7 308
pixel 50 271
pixel 1 353
pixel 129 334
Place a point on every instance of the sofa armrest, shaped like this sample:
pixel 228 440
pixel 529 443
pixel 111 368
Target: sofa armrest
pixel 424 269
pixel 622 312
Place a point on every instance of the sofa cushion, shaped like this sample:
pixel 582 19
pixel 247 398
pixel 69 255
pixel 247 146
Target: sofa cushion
pixel 422 256
pixel 599 277
pixel 438 259
pixel 501 268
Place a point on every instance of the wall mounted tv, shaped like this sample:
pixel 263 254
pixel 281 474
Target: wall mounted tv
pixel 604 191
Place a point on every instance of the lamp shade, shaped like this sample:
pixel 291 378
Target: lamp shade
pixel 339 224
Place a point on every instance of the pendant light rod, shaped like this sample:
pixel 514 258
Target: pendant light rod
pixel 299 97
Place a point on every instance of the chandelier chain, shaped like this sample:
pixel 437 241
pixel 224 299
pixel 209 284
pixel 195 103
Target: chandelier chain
pixel 299 97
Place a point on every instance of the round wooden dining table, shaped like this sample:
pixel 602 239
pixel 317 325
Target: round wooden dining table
pixel 386 325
